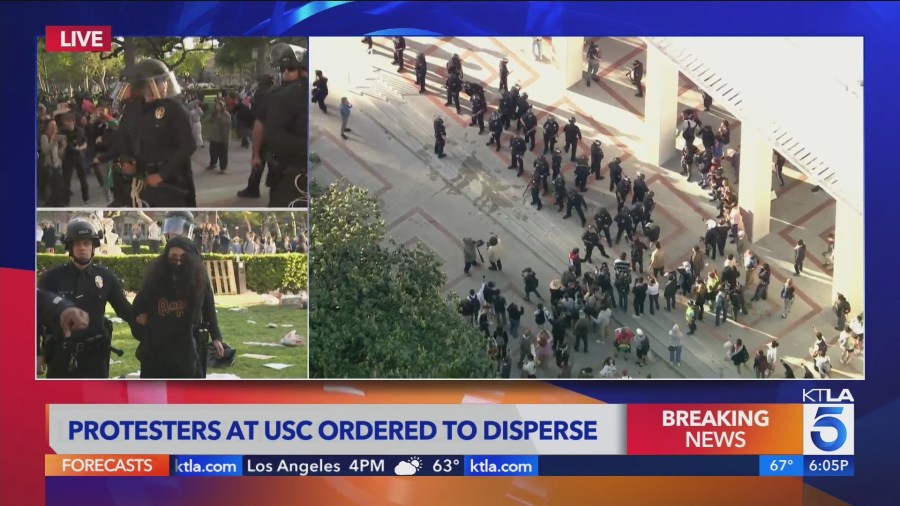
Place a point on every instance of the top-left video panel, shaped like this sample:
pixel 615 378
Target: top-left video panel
pixel 173 122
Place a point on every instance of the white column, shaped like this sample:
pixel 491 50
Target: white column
pixel 569 59
pixel 660 107
pixel 849 257
pixel 755 182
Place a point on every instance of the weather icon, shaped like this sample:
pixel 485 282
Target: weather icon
pixel 408 467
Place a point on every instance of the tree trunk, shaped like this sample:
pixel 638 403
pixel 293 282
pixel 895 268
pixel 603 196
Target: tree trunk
pixel 262 58
pixel 129 50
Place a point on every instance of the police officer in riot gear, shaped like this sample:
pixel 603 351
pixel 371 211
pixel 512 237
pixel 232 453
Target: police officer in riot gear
pixel 507 108
pixel 640 189
pixel 164 138
pixel 535 187
pixel 440 136
pixel 529 122
pixel 504 75
pixel 573 135
pixel 495 124
pixel 622 191
pixel 551 130
pixel 90 287
pixel 281 125
pixel 454 86
pixel 421 71
pixel 581 174
pixel 522 107
pixel 615 173
pixel 454 66
pixel 559 189
pixel 575 200
pixel 181 224
pixel 517 146
pixel 478 109
pixel 556 162
pixel 264 84
pixel 596 159
pixel 542 172
pixel 602 221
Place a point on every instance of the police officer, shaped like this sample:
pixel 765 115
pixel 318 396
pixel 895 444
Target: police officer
pixel 399 47
pixel 129 102
pixel 559 189
pixel 165 138
pixel 649 204
pixel 440 135
pixel 624 225
pixel 504 75
pixel 551 130
pixel 640 189
pixel 454 86
pixel 517 146
pixel 90 287
pixel 181 224
pixel 602 221
pixel 495 124
pixel 282 127
pixel 507 108
pixel 637 74
pixel 421 71
pixel 573 136
pixel 556 162
pixel 591 239
pixel 622 191
pixel 651 230
pixel 522 107
pixel 529 122
pixel 542 172
pixel 575 200
pixel 615 173
pixel 581 174
pixel 596 159
pixel 478 108
pixel 264 85
pixel 535 187
pixel 454 66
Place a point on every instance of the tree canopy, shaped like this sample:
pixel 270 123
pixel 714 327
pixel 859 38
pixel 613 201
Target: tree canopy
pixel 378 311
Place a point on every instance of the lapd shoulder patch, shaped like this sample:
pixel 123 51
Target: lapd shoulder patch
pixel 160 112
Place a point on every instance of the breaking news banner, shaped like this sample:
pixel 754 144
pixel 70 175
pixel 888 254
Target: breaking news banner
pixel 439 440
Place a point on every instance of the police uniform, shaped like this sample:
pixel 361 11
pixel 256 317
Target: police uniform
pixel 535 187
pixel 478 113
pixel 517 145
pixel 123 149
pixel 496 126
pixel 454 85
pixel 559 189
pixel 504 75
pixel 551 129
pixel 283 115
pixel 602 221
pixel 440 134
pixel 166 146
pixel 615 173
pixel 257 107
pixel 541 172
pixel 596 159
pixel 556 162
pixel 581 174
pixel 507 108
pixel 575 200
pixel 529 121
pixel 573 135
pixel 86 353
pixel 421 71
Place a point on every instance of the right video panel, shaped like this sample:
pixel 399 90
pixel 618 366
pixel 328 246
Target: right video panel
pixel 586 207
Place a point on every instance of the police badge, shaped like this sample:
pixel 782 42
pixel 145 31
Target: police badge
pixel 160 112
pixel 99 281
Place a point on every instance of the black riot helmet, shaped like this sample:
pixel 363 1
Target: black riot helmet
pixel 287 57
pixel 179 223
pixel 80 229
pixel 149 78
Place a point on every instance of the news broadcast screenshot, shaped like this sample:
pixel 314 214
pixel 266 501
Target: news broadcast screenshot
pixel 448 253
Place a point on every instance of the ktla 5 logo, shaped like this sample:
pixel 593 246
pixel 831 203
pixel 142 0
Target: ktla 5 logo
pixel 828 429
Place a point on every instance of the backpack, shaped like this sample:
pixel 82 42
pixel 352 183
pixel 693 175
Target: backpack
pixel 539 317
pixel 688 133
pixel 466 308
pixel 622 279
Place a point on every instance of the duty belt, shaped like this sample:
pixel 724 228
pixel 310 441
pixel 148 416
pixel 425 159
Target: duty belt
pixel 93 343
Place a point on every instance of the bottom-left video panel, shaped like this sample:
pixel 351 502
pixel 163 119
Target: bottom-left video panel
pixel 131 294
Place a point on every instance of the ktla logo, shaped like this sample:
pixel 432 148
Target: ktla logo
pixel 78 38
pixel 828 428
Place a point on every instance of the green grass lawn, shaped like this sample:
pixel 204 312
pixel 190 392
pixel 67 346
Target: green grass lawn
pixel 236 331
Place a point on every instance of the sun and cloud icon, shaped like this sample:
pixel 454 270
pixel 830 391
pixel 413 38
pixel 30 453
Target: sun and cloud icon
pixel 408 467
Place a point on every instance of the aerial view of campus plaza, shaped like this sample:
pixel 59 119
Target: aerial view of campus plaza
pixel 612 207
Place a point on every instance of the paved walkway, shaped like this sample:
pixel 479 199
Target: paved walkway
pixel 213 189
pixel 471 193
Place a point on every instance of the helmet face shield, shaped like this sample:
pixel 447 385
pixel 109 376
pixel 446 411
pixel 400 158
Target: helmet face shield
pixel 159 87
pixel 287 57
pixel 178 225
pixel 120 93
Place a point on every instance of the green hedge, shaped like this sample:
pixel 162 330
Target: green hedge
pixel 265 273
pixel 126 248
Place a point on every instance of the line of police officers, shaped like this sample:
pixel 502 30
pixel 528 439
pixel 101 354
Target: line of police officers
pixel 154 142
pixel 173 326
